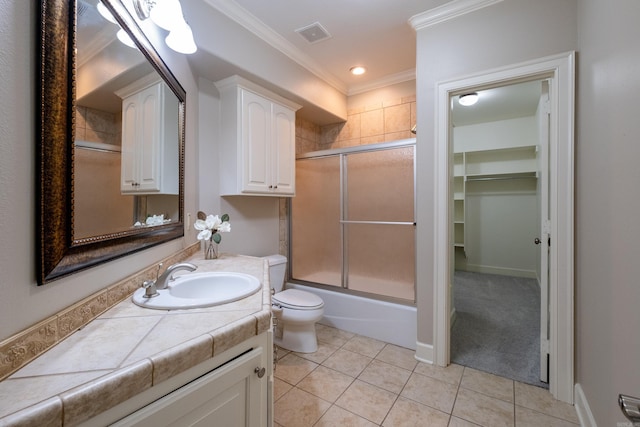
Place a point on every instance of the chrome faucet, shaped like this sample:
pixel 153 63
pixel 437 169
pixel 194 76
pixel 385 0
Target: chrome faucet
pixel 167 276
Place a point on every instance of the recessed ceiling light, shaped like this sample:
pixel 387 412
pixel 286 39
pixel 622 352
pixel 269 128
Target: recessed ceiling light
pixel 468 99
pixel 357 70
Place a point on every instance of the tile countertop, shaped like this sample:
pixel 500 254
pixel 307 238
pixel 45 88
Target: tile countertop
pixel 129 349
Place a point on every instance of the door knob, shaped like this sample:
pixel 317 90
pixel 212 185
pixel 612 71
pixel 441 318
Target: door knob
pixel 537 241
pixel 259 372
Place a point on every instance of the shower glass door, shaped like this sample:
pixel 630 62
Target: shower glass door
pixel 353 221
pixel 316 235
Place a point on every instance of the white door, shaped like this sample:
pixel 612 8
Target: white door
pixel 544 239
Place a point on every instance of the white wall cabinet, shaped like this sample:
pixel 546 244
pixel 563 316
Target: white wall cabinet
pixel 257 149
pixel 150 141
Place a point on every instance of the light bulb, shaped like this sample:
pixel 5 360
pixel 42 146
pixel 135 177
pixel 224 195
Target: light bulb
pixel 167 14
pixel 468 99
pixel 104 12
pixel 358 70
pixel 125 39
pixel 181 40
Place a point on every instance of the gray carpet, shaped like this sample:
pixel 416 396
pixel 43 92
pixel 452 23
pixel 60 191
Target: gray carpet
pixel 497 325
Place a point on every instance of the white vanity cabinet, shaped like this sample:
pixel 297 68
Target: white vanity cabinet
pixel 150 152
pixel 233 389
pixel 257 149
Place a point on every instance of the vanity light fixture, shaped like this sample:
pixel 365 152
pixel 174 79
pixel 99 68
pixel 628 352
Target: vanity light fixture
pixel 358 70
pixel 166 14
pixel 468 99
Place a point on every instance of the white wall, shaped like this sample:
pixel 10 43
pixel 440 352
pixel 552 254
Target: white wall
pixel 607 206
pixel 505 33
pixel 501 221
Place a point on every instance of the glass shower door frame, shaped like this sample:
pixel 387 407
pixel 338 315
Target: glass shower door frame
pixel 343 154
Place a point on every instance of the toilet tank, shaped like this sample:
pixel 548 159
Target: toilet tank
pixel 277 269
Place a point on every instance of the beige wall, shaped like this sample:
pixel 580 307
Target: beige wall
pixel 505 33
pixel 607 206
pixel 22 302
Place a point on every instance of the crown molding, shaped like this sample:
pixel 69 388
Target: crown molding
pixel 401 77
pixel 237 13
pixel 448 11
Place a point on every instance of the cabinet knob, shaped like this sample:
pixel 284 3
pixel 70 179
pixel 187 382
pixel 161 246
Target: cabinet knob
pixel 259 372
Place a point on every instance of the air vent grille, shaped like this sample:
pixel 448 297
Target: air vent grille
pixel 314 33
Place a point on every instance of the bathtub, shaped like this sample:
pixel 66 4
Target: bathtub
pixel 385 321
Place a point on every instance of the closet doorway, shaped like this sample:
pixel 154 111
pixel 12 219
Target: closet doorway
pixel 500 202
pixel 556 235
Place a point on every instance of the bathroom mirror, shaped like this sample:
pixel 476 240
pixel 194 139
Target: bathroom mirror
pixel 71 233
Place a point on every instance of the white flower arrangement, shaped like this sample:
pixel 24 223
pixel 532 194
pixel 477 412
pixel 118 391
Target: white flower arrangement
pixel 210 226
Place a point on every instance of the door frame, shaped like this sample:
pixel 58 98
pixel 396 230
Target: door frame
pixel 560 69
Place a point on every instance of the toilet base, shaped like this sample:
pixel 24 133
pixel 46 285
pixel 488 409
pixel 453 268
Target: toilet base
pixel 298 338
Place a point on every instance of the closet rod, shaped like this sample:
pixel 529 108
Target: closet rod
pixel 501 178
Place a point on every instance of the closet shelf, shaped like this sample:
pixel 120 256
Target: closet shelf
pixel 502 176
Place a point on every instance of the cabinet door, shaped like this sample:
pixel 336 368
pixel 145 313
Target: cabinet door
pixel 129 168
pixel 284 150
pixel 256 141
pixel 231 396
pixel 148 139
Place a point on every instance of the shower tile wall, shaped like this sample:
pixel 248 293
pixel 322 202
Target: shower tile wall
pixel 384 121
pixel 98 126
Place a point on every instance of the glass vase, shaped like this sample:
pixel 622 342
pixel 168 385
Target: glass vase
pixel 210 249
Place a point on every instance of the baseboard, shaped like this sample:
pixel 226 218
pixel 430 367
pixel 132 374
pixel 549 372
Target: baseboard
pixel 582 408
pixel 424 352
pixel 476 268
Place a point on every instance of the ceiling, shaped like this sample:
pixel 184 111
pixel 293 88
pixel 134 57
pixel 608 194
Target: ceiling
pixel 372 33
pixel 499 103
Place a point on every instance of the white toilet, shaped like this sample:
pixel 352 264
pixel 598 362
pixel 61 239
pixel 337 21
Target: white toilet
pixel 296 312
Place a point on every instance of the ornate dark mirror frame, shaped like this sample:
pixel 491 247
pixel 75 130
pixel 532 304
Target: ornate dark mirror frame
pixel 59 254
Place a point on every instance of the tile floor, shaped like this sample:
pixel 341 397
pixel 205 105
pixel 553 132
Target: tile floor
pixel 358 381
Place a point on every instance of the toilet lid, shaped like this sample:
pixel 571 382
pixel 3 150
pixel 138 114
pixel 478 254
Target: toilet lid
pixel 300 300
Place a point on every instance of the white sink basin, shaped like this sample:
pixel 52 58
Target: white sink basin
pixel 197 290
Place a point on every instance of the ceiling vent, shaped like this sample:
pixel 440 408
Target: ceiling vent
pixel 314 33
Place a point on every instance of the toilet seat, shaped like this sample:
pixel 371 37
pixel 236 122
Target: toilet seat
pixel 297 300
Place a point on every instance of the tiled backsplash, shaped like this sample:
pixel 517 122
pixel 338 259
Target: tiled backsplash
pixel 20 349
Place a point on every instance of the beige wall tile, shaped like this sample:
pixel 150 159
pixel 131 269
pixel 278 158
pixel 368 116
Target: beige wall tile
pixel 372 123
pixel 397 118
pixel 351 129
pixel 391 102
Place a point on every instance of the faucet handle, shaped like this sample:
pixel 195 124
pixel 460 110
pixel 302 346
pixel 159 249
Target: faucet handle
pixel 158 271
pixel 150 289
